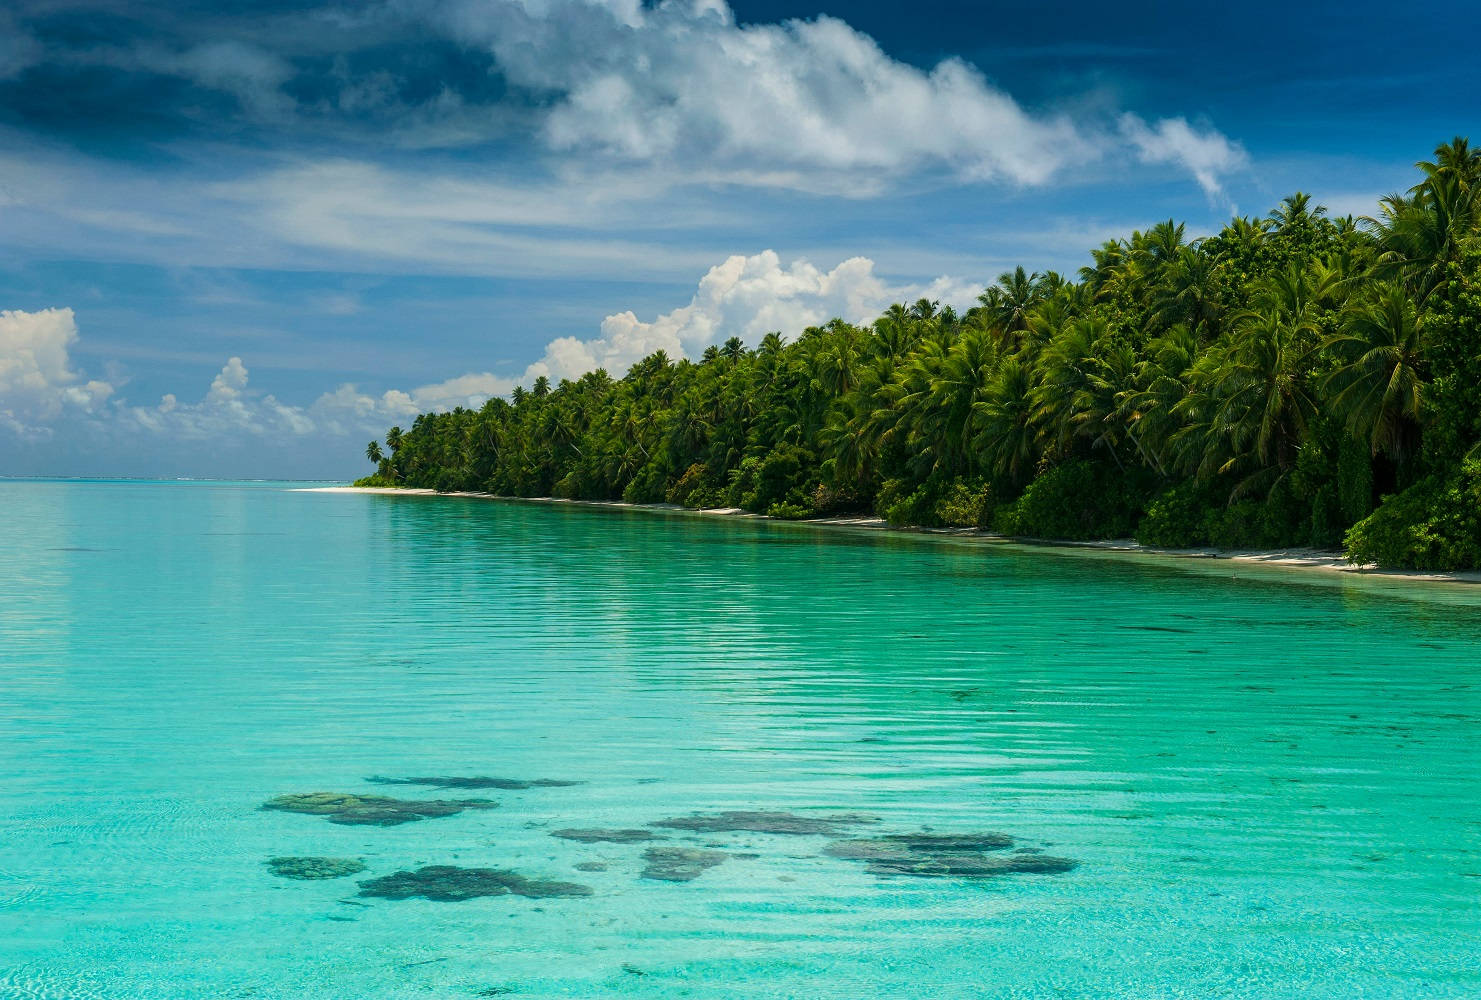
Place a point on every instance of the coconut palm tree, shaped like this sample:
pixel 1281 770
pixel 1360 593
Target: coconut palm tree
pixel 1378 384
pixel 1007 437
pixel 1007 304
pixel 1265 404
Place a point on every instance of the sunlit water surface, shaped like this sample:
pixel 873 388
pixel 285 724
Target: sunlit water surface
pixel 1271 787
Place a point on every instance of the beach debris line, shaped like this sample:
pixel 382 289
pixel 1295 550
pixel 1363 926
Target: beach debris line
pixel 310 869
pixel 953 855
pixel 371 810
pixel 502 784
pixel 450 884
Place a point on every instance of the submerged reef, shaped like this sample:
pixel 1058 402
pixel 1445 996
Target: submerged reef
pixel 765 822
pixel 503 784
pixel 371 810
pixel 450 884
pixel 932 855
pixel 679 864
pixel 315 868
pixel 599 835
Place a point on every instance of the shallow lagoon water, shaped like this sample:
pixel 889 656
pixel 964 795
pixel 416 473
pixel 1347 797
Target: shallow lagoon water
pixel 1271 787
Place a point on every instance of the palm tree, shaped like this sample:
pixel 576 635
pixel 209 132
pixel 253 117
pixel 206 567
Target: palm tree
pixel 1007 303
pixel 373 452
pixel 1064 371
pixel 1378 386
pixel 1264 406
pixel 1151 407
pixel 1454 158
pixel 1295 214
pixel 1188 294
pixel 1423 233
pixel 957 389
pixel 1007 435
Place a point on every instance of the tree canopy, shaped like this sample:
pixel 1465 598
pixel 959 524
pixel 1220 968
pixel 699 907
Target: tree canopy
pixel 1266 386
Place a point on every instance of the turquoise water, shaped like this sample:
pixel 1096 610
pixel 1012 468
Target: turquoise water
pixel 1271 788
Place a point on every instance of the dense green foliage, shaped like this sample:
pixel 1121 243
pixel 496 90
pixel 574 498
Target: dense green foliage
pixel 1265 386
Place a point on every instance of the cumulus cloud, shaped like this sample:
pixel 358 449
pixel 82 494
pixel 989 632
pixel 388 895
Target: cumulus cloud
pixel 37 381
pixel 617 132
pixel 676 86
pixel 778 103
pixel 348 410
pixel 745 296
pixel 228 409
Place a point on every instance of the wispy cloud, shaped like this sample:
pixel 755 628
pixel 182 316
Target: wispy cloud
pixel 1207 154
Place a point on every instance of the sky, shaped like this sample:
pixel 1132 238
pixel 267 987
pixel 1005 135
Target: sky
pixel 240 241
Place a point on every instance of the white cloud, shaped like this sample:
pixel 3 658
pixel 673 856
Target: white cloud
pixel 253 76
pixel 681 82
pixel 37 381
pixel 228 409
pixel 744 297
pixel 1207 155
pixel 347 410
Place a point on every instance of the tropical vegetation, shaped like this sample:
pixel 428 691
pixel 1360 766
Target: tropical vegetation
pixel 1291 380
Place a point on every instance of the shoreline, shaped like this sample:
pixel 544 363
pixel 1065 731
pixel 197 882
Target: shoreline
pixel 1283 563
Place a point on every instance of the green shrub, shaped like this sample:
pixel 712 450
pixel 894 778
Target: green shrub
pixel 741 491
pixel 827 499
pixel 782 475
pixel 1076 501
pixel 1178 518
pixel 694 488
pixel 1237 525
pixel 1354 480
pixel 789 511
pixel 965 504
pixel 891 491
pixel 650 485
pixel 916 509
pixel 1433 525
pixel 1327 523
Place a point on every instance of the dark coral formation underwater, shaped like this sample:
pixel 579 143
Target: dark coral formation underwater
pixel 310 869
pixel 450 884
pixel 920 854
pixel 371 810
pixel 931 855
pixel 679 864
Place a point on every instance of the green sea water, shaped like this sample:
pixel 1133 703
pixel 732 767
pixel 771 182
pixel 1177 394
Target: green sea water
pixel 1270 787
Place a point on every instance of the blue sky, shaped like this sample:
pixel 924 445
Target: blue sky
pixel 244 243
